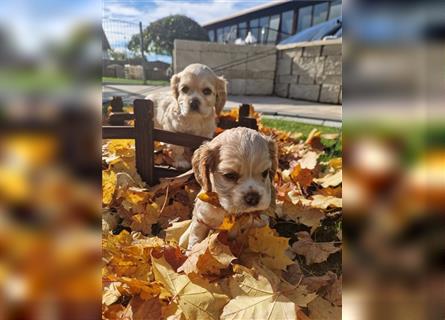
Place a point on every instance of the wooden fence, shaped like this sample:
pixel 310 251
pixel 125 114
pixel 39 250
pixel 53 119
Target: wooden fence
pixel 144 134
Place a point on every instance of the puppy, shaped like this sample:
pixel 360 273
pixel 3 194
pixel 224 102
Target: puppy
pixel 239 166
pixel 197 96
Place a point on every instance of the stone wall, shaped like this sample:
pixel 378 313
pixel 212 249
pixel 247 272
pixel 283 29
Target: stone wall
pixel 250 70
pixel 310 71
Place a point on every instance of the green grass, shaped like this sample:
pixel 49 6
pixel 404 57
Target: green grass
pixel 33 80
pixel 333 147
pixel 133 81
pixel 294 126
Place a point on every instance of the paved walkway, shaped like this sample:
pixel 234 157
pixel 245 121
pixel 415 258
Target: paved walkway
pixel 311 112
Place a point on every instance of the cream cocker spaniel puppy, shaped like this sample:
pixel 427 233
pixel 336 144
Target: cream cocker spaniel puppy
pixel 239 166
pixel 198 96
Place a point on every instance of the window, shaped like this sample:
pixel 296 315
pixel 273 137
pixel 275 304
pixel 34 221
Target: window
pixel 264 28
pixel 304 18
pixel 320 13
pixel 254 28
pixel 335 9
pixel 231 36
pixel 273 28
pixel 211 36
pixel 242 30
pixel 226 33
pixel 287 21
pixel 220 35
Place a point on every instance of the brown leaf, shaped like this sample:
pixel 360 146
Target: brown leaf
pixel 320 309
pixel 333 294
pixel 306 215
pixel 314 252
pixel 302 176
pixel 330 180
pixel 138 309
pixel 208 257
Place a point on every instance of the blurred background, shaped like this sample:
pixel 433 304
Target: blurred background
pixel 50 191
pixel 393 124
pixel 394 159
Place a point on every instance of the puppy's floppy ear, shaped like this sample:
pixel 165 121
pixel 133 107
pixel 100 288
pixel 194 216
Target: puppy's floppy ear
pixel 273 153
pixel 203 161
pixel 221 94
pixel 174 82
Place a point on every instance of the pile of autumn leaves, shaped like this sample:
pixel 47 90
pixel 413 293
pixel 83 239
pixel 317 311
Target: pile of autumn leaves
pixel 259 275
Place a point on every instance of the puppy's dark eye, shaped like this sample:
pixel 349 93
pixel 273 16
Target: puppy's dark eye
pixel 232 176
pixel 207 91
pixel 265 173
pixel 185 89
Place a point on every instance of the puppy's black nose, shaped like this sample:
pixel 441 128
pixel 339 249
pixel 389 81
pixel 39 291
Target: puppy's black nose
pixel 252 198
pixel 194 104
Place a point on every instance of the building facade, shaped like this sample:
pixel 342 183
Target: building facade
pixel 273 22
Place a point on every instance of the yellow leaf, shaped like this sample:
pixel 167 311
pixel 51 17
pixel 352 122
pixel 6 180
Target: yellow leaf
pixel 330 180
pixel 208 257
pixel 108 186
pixel 335 163
pixel 209 197
pixel 258 298
pixel 227 223
pixel 176 230
pixel 197 301
pixel 323 202
pixel 273 248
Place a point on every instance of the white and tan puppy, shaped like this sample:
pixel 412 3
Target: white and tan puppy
pixel 239 166
pixel 197 96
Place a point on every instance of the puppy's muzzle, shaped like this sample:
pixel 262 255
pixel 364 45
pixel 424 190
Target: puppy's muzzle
pixel 194 104
pixel 252 198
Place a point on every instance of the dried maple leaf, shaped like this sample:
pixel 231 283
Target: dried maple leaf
pixel 314 140
pixel 308 216
pixel 309 160
pixel 208 257
pixel 333 293
pixel 260 298
pixel 320 309
pixel 302 176
pixel 196 301
pixel 209 197
pixel 314 252
pixel 330 180
pixel 271 247
pixel 108 186
pixel 322 202
pixel 139 309
pixel 176 230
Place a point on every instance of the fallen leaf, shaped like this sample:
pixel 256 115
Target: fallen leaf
pixel 139 309
pixel 208 257
pixel 320 309
pixel 302 176
pixel 323 202
pixel 209 197
pixel 176 230
pixel 271 247
pixel 308 216
pixel 330 180
pixel 111 293
pixel 333 293
pixel 309 160
pixel 260 300
pixel 108 186
pixel 314 252
pixel 195 301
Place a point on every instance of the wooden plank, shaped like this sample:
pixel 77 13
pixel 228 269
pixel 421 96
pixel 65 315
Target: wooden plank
pixel 143 128
pixel 227 124
pixel 180 139
pixel 118 132
pixel 119 118
pixel 248 123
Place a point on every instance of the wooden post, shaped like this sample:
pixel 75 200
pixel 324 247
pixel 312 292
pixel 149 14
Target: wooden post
pixel 244 110
pixel 143 127
pixel 244 117
pixel 116 104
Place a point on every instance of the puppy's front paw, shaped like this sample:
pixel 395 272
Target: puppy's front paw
pixel 182 164
pixel 261 221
